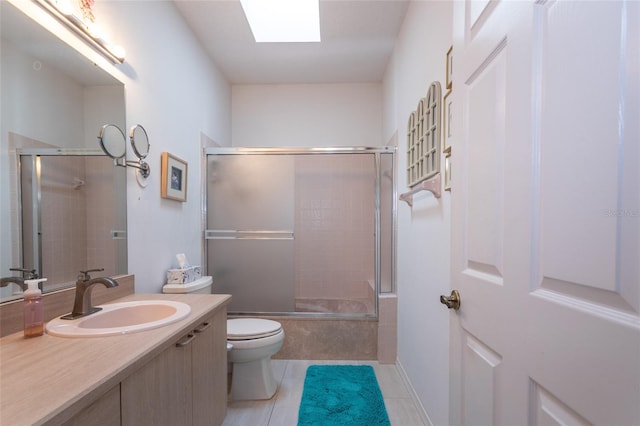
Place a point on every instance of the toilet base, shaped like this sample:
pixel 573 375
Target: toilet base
pixel 253 380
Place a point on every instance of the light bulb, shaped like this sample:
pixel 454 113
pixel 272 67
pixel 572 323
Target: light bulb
pixel 95 31
pixel 64 7
pixel 118 51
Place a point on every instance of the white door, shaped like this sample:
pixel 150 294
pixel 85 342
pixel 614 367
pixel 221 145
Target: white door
pixel 546 213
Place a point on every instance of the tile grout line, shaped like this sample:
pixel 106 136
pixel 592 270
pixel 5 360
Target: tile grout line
pixel 277 395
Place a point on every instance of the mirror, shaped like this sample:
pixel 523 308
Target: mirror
pixel 54 188
pixel 139 141
pixel 113 144
pixel 112 141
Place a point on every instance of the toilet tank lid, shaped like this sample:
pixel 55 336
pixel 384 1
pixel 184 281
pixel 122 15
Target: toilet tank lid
pixel 251 328
pixel 187 287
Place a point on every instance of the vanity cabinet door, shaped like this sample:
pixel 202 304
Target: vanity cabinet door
pixel 209 361
pixel 184 385
pixel 105 411
pixel 160 392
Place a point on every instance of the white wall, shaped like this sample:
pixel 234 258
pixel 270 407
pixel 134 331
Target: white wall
pixel 307 115
pixel 423 231
pixel 174 90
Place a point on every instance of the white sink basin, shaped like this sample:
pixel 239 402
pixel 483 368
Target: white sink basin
pixel 121 318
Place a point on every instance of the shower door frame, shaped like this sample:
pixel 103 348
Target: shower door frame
pixel 377 152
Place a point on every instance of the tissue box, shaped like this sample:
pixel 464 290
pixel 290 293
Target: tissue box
pixel 183 276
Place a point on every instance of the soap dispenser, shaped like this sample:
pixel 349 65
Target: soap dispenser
pixel 33 309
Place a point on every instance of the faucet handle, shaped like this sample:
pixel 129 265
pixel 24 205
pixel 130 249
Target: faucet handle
pixel 84 275
pixel 31 273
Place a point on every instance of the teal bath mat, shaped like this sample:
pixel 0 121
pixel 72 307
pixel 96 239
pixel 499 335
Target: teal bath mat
pixel 341 395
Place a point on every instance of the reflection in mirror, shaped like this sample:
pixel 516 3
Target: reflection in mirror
pixel 87 231
pixel 52 101
pixel 112 141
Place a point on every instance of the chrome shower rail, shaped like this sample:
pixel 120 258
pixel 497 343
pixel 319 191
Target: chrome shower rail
pixel 296 150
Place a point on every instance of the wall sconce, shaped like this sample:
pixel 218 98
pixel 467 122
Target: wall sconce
pixel 113 143
pixel 66 13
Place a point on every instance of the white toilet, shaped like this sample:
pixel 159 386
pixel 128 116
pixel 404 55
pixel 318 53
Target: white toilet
pixel 252 340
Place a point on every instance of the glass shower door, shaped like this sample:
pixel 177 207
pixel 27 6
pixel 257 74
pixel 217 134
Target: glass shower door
pixel 250 230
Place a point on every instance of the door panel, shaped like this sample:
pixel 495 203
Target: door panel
pixel 546 213
pixel 549 410
pixel 485 94
pixel 480 365
pixel 589 138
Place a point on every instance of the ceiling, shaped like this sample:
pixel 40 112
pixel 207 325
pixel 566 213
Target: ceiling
pixel 358 37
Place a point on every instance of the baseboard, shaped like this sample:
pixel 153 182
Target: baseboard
pixel 423 413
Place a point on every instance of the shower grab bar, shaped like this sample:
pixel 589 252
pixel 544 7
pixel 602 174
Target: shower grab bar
pixel 233 234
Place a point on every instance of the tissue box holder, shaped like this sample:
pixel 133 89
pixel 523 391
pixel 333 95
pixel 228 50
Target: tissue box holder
pixel 183 276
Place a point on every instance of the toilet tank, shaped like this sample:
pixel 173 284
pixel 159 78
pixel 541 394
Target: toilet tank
pixel 200 286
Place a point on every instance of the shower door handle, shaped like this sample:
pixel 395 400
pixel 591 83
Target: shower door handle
pixel 234 234
pixel 453 301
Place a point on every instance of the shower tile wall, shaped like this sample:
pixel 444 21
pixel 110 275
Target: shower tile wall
pixel 334 199
pixel 64 223
pixel 101 210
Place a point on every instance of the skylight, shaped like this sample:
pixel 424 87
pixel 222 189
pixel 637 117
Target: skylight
pixel 278 21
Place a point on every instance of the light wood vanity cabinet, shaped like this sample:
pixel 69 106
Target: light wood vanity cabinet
pixel 104 412
pixel 185 384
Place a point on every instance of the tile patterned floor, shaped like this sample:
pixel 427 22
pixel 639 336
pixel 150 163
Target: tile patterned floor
pixel 282 409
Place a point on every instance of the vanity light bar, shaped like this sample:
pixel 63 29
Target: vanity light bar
pixel 64 12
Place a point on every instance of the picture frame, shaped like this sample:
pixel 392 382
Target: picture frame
pixel 447 172
pixel 449 81
pixel 447 115
pixel 173 178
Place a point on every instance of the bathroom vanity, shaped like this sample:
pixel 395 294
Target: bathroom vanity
pixel 171 375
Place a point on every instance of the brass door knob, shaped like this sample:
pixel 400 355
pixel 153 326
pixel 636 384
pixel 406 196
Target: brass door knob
pixel 453 301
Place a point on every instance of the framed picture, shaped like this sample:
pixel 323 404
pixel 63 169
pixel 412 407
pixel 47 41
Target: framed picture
pixel 447 172
pixel 446 125
pixel 174 178
pixel 449 68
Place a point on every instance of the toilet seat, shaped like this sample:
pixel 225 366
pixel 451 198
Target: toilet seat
pixel 251 328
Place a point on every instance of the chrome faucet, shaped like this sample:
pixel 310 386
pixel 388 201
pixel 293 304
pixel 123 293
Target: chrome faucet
pixel 82 304
pixel 19 281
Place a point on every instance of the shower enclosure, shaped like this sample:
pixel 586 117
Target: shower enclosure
pixel 301 231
